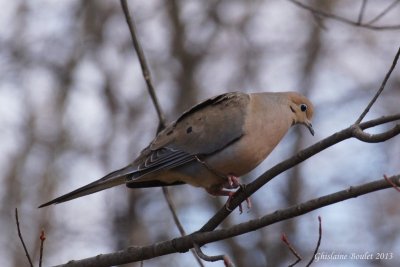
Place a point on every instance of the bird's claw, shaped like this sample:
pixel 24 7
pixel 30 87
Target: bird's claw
pixel 230 196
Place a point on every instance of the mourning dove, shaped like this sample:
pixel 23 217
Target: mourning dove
pixel 211 144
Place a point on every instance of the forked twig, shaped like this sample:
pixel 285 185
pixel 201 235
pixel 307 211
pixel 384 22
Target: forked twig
pixel 292 249
pixel 296 254
pixel 384 12
pixel 21 238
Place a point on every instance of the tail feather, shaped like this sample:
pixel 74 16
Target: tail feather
pixel 110 180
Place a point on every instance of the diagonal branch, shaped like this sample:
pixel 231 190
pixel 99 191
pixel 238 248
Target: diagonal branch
pixel 292 249
pixel 143 64
pixel 362 10
pixel 381 88
pixel 182 244
pixel 178 223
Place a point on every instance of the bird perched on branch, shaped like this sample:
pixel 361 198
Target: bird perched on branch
pixel 211 144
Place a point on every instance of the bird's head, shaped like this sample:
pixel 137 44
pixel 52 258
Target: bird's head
pixel 302 110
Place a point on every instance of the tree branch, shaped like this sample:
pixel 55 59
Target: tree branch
pixel 318 12
pixel 375 138
pixel 182 244
pixel 143 64
pixel 384 12
pixel 292 249
pixel 178 223
pixel 362 10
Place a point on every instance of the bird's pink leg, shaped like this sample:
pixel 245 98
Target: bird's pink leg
pixel 233 182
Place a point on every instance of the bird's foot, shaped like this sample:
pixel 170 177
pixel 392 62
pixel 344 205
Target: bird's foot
pixel 230 194
pixel 248 200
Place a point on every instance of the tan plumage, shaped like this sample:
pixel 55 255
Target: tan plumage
pixel 222 137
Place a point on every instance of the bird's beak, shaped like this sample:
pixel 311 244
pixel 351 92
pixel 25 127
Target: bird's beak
pixel 309 126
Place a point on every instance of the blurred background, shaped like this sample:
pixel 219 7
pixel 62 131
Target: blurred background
pixel 74 107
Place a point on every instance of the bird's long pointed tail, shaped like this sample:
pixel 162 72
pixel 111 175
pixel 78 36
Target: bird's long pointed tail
pixel 110 180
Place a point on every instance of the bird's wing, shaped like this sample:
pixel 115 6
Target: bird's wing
pixel 203 130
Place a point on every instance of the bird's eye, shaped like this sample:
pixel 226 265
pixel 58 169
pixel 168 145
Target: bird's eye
pixel 303 107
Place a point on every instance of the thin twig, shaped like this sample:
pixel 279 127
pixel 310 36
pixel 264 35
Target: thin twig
pixel 380 89
pixel 225 258
pixel 172 209
pixel 42 239
pixel 22 240
pixel 143 64
pixel 318 243
pixel 383 13
pixel 292 249
pixel 342 19
pixel 171 206
pixel 362 10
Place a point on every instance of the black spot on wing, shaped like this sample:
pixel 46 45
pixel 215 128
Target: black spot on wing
pixel 189 130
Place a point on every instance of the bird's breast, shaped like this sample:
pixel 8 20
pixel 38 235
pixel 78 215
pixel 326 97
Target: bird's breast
pixel 261 136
